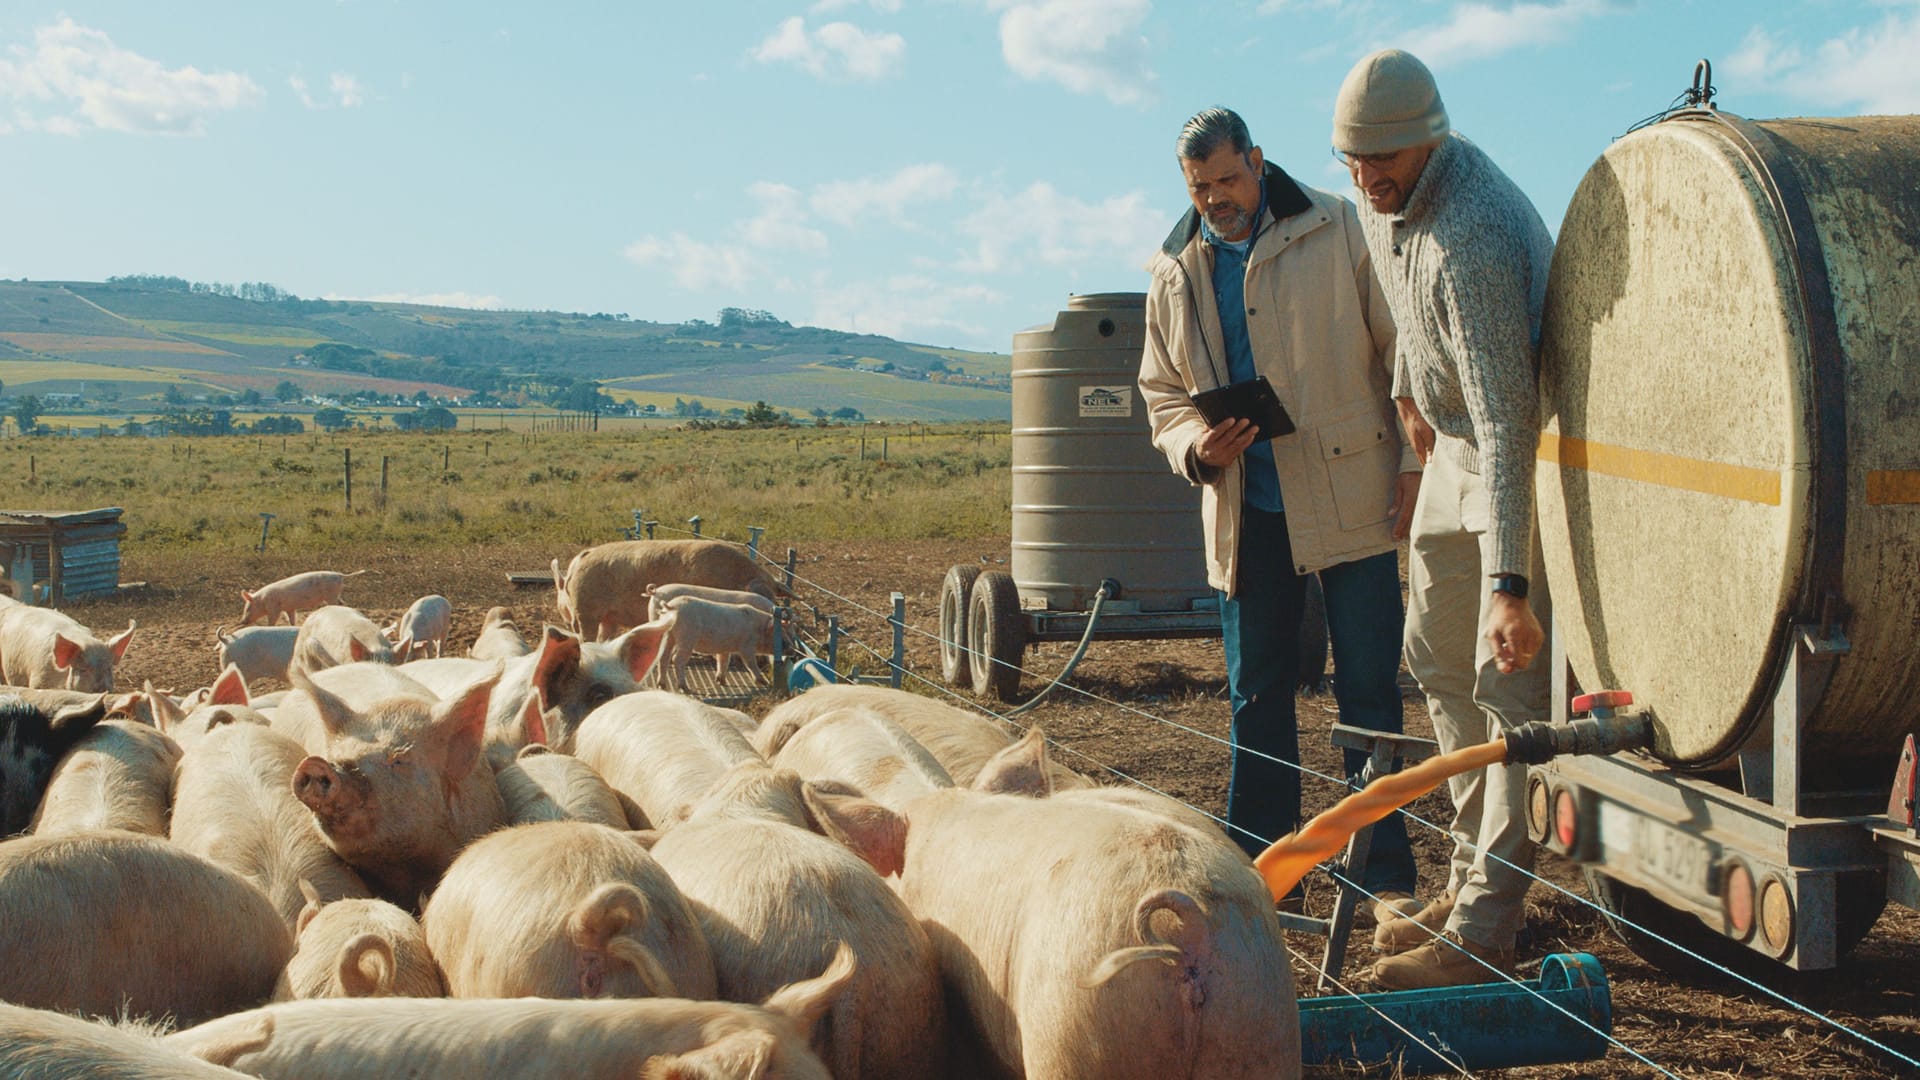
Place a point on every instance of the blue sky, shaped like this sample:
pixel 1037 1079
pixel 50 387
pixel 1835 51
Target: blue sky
pixel 945 171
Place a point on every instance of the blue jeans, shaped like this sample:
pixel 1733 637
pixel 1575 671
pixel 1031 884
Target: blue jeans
pixel 1260 626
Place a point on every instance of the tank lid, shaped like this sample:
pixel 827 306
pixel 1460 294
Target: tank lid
pixel 1106 301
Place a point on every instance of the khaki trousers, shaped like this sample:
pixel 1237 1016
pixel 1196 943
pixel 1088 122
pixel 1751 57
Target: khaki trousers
pixel 1469 699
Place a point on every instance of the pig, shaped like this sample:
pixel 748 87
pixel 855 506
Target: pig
pixel 424 624
pixel 359 948
pixel 499 638
pixel 38 1044
pixel 335 635
pixel 529 1038
pixel 228 701
pixel 566 677
pixel 42 648
pixel 604 589
pixel 961 740
pixel 1087 938
pixel 395 776
pixel 540 785
pixel 260 652
pixel 33 740
pixel 564 909
pixel 291 595
pixel 774 896
pixel 660 750
pixel 861 748
pixel 234 806
pixel 104 921
pixel 722 631
pixel 659 597
pixel 119 776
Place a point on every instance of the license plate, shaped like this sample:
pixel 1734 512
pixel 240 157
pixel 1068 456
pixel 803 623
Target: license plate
pixel 1658 850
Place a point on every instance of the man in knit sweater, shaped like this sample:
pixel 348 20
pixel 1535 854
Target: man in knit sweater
pixel 1462 257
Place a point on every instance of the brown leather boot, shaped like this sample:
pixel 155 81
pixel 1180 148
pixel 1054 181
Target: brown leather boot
pixel 1386 906
pixel 1396 935
pixel 1449 961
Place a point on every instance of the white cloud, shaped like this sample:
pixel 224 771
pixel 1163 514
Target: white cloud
pixel 300 91
pixel 848 201
pixel 75 67
pixel 906 306
pixel 1864 70
pixel 446 299
pixel 837 50
pixel 1042 223
pixel 1476 31
pixel 693 264
pixel 1274 7
pixel 1087 46
pixel 781 223
pixel 347 90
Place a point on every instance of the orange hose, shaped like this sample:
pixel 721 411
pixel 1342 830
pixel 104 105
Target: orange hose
pixel 1289 858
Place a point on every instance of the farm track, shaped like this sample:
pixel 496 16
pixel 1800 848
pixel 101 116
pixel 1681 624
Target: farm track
pixel 1713 1029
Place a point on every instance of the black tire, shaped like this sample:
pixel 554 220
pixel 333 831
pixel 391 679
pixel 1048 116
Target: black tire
pixel 996 632
pixel 1860 904
pixel 1313 638
pixel 955 593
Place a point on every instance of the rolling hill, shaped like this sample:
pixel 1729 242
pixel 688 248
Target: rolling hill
pixel 130 342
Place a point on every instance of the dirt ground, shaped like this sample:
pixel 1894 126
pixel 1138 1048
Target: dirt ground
pixel 1143 710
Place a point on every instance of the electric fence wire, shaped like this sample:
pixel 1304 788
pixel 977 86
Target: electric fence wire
pixel 1782 998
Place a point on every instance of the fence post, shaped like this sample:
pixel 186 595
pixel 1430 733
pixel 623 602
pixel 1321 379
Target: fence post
pixel 899 621
pixel 753 540
pixel 780 665
pixel 695 522
pixel 446 456
pixel 265 520
pixel 883 448
pixel 792 558
pixel 383 479
pixel 349 471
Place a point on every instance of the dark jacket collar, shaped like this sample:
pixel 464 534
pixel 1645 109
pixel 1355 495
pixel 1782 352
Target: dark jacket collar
pixel 1284 200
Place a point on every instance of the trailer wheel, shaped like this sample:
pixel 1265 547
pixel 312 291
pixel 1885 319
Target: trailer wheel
pixel 955 592
pixel 1859 905
pixel 996 635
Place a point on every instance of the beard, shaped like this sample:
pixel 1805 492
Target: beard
pixel 1230 222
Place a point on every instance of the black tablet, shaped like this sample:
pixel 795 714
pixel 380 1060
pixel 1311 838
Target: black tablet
pixel 1252 400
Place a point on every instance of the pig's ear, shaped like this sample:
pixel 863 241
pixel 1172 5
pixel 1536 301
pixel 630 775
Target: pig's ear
pixel 807 1001
pixel 1020 769
pixel 559 654
pixel 248 1036
pixel 119 642
pixel 166 713
pixel 646 838
pixel 366 966
pixel 533 725
pixel 76 719
pixel 230 688
pixel 312 907
pixel 868 829
pixel 246 597
pixel 356 651
pixel 335 713
pixel 460 726
pixel 743 1055
pixel 640 647
pixel 65 651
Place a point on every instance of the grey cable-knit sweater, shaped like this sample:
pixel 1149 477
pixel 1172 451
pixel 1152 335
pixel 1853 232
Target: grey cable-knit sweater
pixel 1464 268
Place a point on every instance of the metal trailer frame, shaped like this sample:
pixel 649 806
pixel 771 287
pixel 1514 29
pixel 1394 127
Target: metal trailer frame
pixel 1751 857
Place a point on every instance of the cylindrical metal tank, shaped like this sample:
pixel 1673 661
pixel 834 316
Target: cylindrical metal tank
pixel 1730 379
pixel 1092 498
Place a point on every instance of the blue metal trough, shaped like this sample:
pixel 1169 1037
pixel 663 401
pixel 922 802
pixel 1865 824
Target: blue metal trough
pixel 1564 1016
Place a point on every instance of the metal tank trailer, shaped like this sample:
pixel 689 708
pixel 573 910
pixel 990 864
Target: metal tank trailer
pixel 1729 507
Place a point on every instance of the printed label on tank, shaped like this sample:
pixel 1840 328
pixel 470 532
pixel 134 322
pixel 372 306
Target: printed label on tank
pixel 1106 401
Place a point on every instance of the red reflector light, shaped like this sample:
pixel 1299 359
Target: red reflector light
pixel 1566 819
pixel 1736 899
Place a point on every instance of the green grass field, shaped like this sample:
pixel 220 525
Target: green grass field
pixel 450 492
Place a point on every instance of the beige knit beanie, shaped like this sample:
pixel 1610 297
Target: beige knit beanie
pixel 1388 102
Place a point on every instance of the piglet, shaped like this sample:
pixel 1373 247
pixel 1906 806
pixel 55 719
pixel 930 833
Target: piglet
pixel 360 948
pixel 291 595
pixel 423 625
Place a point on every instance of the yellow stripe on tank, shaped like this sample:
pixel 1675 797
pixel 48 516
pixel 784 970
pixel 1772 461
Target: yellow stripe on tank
pixel 1741 482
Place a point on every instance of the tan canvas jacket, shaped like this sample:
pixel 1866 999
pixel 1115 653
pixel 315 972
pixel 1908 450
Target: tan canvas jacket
pixel 1322 335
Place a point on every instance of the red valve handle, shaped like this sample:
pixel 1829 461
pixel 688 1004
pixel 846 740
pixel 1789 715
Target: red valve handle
pixel 1606 699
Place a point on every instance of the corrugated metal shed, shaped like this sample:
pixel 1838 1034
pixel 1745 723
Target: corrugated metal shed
pixel 52 556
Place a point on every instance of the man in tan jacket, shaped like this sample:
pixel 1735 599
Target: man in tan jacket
pixel 1265 277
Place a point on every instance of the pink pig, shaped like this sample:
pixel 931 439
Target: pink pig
pixel 291 595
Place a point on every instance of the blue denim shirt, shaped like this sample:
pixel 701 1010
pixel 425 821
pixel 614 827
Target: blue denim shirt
pixel 1230 293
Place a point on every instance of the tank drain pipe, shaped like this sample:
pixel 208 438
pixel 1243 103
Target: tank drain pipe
pixel 1108 589
pixel 1607 731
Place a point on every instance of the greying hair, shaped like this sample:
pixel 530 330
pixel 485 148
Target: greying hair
pixel 1209 130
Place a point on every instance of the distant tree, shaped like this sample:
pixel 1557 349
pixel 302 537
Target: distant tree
pixel 421 397
pixel 331 419
pixel 278 425
pixel 817 413
pixel 250 396
pixel 583 397
pixel 26 413
pixel 173 395
pixel 763 415
pixel 288 390
pixel 848 412
pixel 436 418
